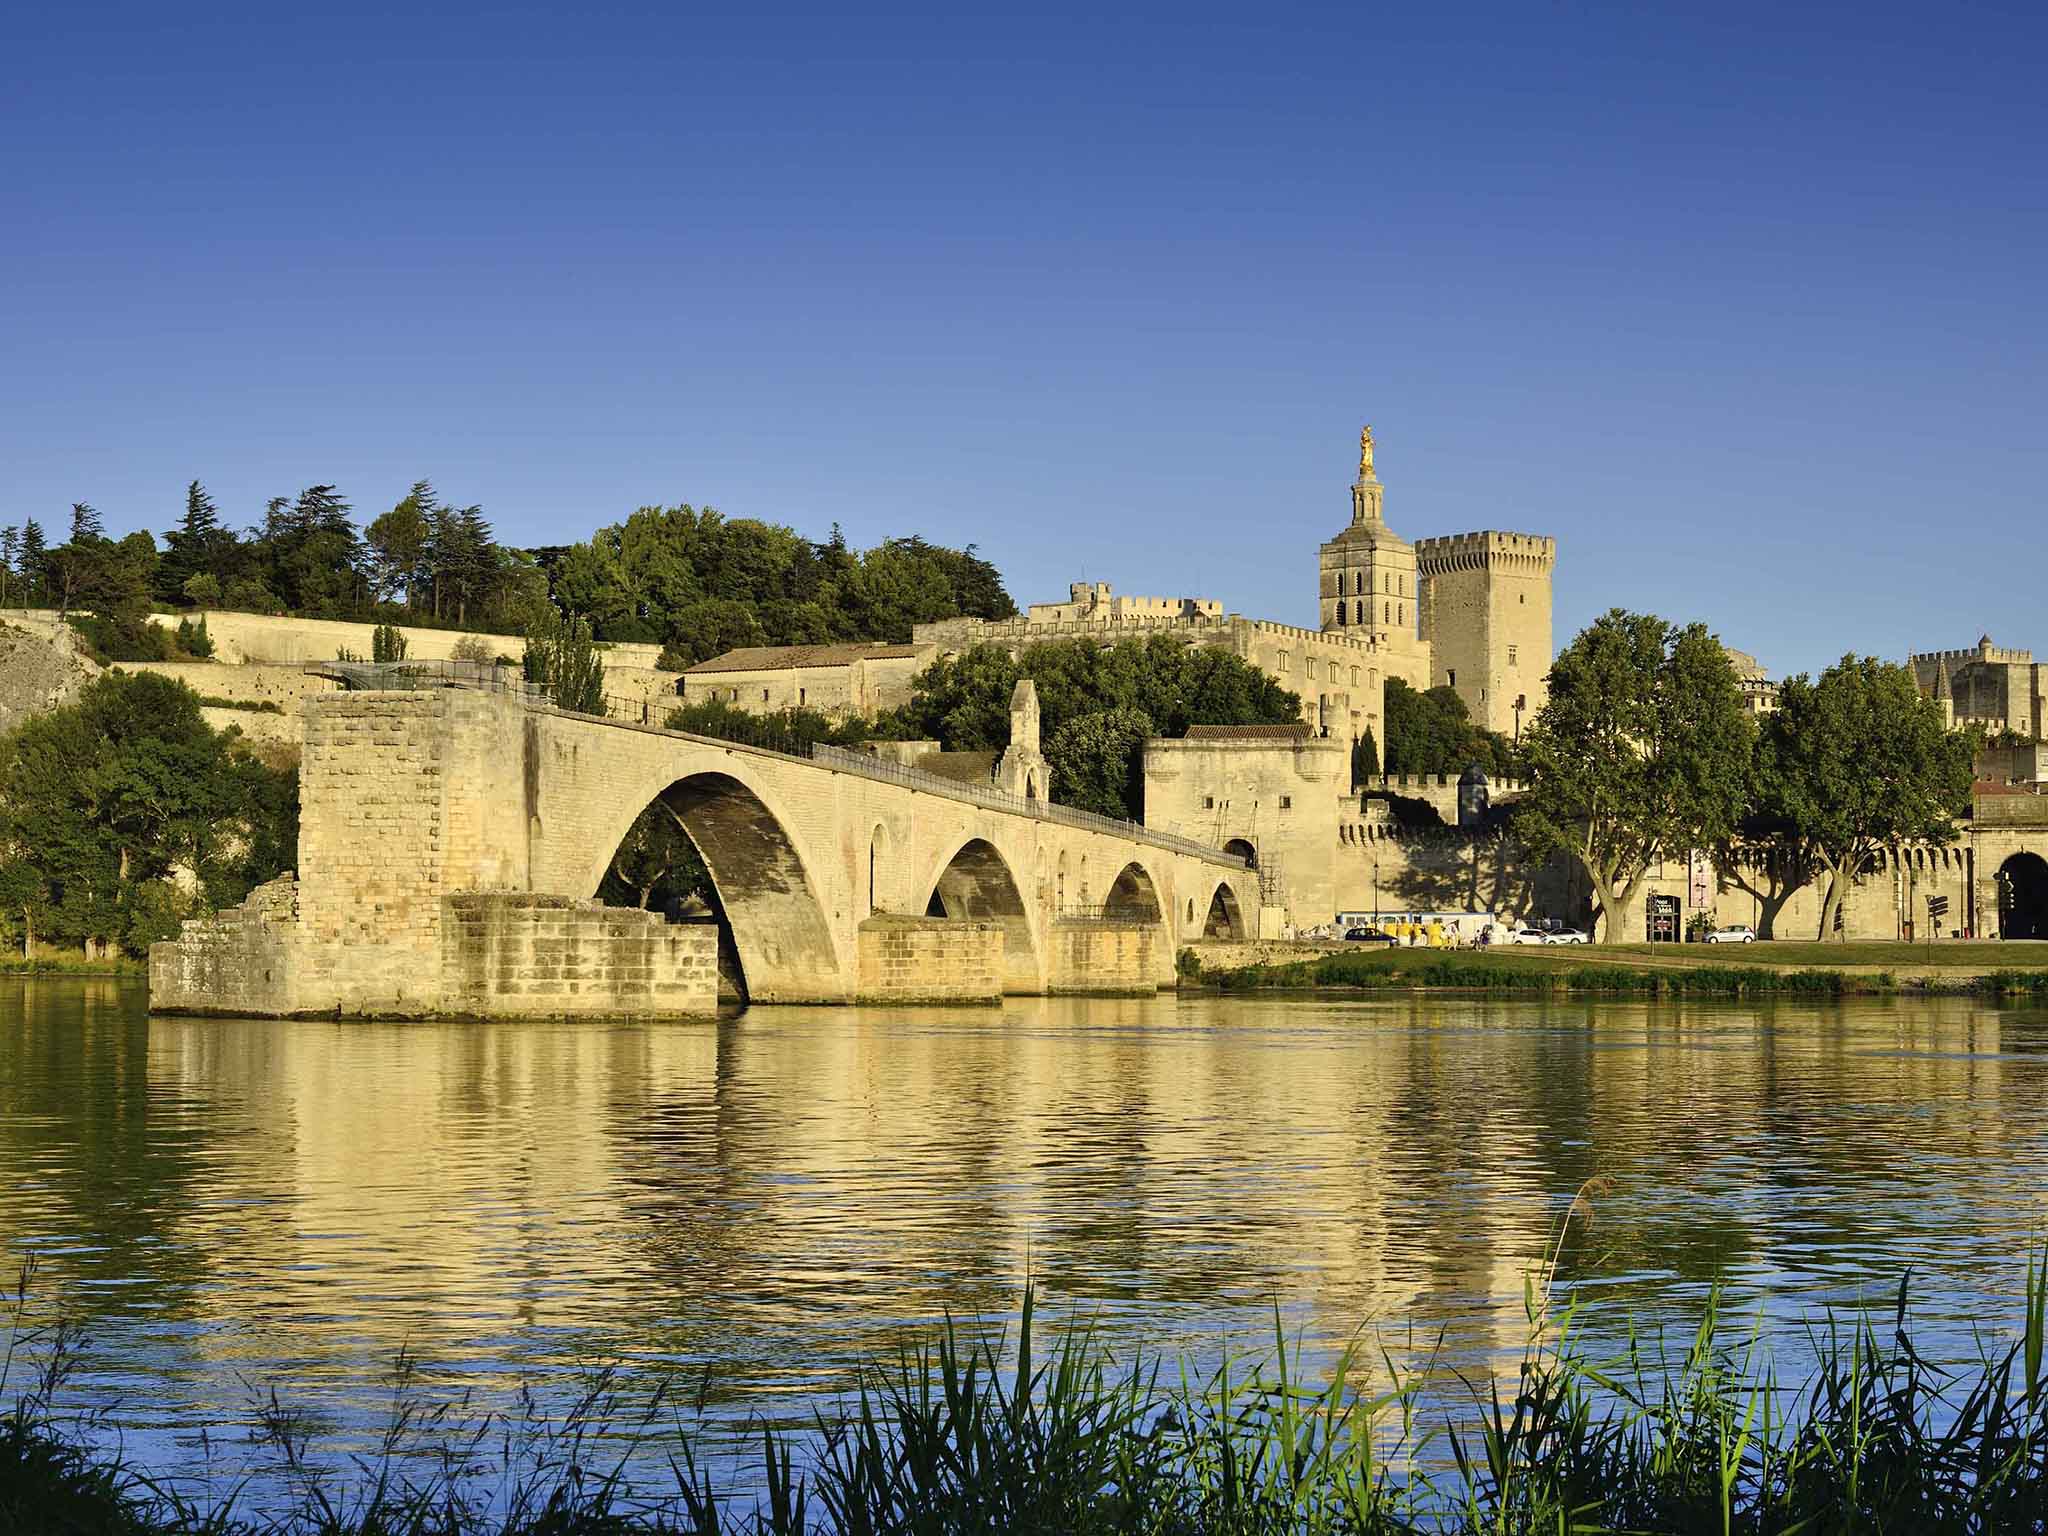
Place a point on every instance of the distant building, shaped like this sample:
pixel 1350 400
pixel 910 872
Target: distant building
pixel 836 680
pixel 1990 686
pixel 1759 692
pixel 1471 611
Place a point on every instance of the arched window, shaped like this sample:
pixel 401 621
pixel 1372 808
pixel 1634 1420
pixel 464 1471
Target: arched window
pixel 1388 616
pixel 1340 613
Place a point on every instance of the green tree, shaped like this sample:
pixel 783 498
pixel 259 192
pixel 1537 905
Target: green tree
pixel 780 730
pixel 198 547
pixel 387 643
pixel 562 659
pixel 34 560
pixel 1642 750
pixel 655 864
pixel 710 627
pixel 1854 762
pixel 397 544
pixel 964 701
pixel 107 797
pixel 1097 762
pixel 1365 758
pixel 1431 731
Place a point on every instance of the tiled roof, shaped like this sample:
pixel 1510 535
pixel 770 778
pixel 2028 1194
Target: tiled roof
pixel 784 658
pixel 1297 731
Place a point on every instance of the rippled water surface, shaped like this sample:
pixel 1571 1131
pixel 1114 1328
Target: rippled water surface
pixel 230 1204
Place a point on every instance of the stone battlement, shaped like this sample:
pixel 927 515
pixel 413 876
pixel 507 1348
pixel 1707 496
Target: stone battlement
pixel 1467 551
pixel 1985 652
pixel 1412 784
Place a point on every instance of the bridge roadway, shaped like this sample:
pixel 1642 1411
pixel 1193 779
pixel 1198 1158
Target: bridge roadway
pixel 452 840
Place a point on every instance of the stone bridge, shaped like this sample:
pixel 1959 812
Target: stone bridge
pixel 452 842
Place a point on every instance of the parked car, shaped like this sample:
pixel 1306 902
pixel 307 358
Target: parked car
pixel 1526 936
pixel 1368 936
pixel 1565 936
pixel 1734 933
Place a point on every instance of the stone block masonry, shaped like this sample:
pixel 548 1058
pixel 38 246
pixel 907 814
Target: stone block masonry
pixel 929 960
pixel 502 955
pixel 1105 959
pixel 506 955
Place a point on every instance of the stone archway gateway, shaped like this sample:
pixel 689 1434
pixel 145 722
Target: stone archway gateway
pixel 2023 897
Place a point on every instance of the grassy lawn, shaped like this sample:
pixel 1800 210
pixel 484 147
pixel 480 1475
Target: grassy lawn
pixel 1975 955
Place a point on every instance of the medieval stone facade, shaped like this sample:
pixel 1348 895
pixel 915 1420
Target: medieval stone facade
pixel 1988 685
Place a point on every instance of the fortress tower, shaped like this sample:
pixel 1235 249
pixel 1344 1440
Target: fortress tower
pixel 1484 607
pixel 1368 580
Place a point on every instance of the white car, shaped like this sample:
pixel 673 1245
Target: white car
pixel 1738 933
pixel 1565 936
pixel 1526 936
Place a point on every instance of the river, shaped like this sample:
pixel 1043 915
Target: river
pixel 226 1205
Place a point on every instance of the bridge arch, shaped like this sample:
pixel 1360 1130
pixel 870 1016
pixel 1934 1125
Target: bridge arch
pixel 1134 896
pixel 1225 919
pixel 2023 897
pixel 778 925
pixel 977 883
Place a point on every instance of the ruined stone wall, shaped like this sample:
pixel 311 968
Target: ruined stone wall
pixel 512 955
pixel 239 961
pixel 929 960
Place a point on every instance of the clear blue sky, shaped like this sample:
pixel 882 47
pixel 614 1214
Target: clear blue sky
pixel 1747 309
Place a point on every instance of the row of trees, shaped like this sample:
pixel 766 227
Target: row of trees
pixel 122 812
pixel 700 584
pixel 692 581
pixel 1645 751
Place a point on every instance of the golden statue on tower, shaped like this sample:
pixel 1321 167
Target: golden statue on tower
pixel 1365 453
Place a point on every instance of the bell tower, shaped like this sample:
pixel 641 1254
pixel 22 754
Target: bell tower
pixel 1367 573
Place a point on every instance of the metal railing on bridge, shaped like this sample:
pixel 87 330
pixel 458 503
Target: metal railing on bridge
pixel 995 799
pixel 497 678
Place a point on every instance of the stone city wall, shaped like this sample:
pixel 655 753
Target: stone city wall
pixel 241 638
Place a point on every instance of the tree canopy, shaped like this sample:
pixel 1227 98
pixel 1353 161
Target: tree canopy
pixel 690 580
pixel 1642 750
pixel 1431 731
pixel 123 811
pixel 1853 762
pixel 964 703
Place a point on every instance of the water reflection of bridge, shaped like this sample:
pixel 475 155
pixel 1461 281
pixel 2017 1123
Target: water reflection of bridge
pixel 797 1186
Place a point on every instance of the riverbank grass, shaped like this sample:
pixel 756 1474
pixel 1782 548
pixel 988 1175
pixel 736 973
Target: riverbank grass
pixel 1541 971
pixel 1001 1434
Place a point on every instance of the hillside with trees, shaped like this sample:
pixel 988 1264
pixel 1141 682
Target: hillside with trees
pixel 691 581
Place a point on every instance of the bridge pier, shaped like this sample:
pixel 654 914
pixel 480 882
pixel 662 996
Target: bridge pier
pixel 452 841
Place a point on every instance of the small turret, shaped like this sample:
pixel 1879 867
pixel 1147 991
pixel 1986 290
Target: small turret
pixel 1023 769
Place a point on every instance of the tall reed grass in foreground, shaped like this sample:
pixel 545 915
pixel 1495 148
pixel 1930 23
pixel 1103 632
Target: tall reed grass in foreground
pixel 1010 1435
